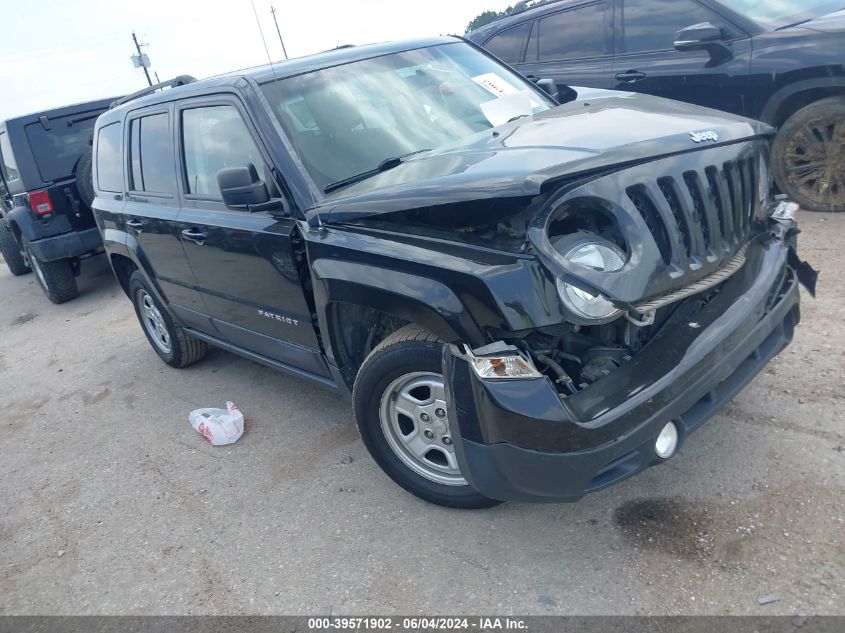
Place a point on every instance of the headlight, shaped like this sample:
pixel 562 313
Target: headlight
pixel 589 251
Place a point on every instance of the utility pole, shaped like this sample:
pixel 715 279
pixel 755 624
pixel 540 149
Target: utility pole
pixel 273 11
pixel 141 57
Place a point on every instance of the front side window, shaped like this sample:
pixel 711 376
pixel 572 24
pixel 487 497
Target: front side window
pixel 213 138
pixel 7 159
pixel 151 154
pixel 573 34
pixel 345 121
pixel 652 25
pixel 109 163
pixel 508 44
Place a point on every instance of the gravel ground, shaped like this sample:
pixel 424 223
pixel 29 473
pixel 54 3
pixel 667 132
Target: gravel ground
pixel 112 504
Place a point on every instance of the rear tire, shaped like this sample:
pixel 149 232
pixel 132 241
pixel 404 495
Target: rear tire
pixel 808 156
pixel 168 340
pixel 57 278
pixel 414 450
pixel 11 251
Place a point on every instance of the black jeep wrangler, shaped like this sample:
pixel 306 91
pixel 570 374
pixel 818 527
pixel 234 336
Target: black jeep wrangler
pixel 45 167
pixel 777 61
pixel 523 300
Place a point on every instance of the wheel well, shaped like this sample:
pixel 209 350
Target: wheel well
pixel 355 331
pixel 796 101
pixel 123 268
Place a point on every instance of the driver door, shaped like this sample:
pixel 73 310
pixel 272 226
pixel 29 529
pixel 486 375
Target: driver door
pixel 245 264
pixel 647 62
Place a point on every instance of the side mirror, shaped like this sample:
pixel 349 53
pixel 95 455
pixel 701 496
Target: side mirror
pixel 549 87
pixel 703 37
pixel 241 187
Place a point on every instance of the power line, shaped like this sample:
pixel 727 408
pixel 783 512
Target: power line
pixel 261 31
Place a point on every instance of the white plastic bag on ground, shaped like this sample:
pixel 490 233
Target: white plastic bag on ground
pixel 219 426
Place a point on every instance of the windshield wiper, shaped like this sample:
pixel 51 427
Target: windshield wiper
pixel 385 165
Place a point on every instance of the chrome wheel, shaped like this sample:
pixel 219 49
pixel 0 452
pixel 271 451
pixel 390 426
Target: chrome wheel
pixel 415 422
pixel 153 321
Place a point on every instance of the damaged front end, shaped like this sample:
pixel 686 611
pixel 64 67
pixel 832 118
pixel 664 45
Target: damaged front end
pixel 678 281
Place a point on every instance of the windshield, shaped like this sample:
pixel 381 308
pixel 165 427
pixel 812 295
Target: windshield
pixel 348 120
pixel 780 13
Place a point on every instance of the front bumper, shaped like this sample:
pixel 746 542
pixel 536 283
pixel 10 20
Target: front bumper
pixel 67 245
pixel 519 440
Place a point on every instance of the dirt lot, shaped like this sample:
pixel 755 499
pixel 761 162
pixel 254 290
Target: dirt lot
pixel 111 503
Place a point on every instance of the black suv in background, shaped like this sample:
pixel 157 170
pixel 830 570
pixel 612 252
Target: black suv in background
pixel 524 300
pixel 780 62
pixel 47 225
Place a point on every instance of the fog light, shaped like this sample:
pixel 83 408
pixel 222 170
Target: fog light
pixel 667 441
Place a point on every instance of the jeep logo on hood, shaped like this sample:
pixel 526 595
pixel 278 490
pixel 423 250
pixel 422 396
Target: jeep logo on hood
pixel 700 137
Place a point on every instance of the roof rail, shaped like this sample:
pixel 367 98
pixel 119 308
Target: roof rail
pixel 525 5
pixel 181 80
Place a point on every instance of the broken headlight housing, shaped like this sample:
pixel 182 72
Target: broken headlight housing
pixel 590 251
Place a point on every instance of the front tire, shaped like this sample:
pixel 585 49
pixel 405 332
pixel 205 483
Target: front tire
pixel 11 250
pixel 808 156
pixel 57 278
pixel 170 342
pixel 400 408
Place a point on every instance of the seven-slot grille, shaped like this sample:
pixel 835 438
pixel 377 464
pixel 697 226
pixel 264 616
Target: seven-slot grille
pixel 702 215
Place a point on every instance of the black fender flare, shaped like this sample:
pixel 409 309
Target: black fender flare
pixel 776 100
pixel 22 224
pixel 426 302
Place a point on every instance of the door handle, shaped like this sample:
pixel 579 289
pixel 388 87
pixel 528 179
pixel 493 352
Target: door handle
pixel 194 235
pixel 135 224
pixel 630 77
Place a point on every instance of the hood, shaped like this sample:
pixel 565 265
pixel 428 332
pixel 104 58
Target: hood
pixel 597 131
pixel 830 23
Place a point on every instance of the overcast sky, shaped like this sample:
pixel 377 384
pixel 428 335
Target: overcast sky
pixel 55 52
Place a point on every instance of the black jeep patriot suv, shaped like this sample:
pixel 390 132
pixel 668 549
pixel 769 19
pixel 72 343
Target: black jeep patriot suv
pixel 45 167
pixel 524 300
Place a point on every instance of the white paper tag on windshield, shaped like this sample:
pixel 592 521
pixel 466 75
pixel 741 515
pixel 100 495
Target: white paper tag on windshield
pixel 500 111
pixel 494 84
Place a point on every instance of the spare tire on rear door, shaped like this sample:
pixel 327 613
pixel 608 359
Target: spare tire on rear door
pixel 85 178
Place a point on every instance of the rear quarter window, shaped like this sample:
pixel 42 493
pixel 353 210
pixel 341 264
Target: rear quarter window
pixel 507 45
pixel 109 159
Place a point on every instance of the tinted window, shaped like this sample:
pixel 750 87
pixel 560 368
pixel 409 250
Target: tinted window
pixel 7 159
pixel 214 138
pixel 151 146
pixel 58 147
pixel 109 162
pixel 508 44
pixel 573 34
pixel 651 25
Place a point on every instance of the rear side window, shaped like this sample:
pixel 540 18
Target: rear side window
pixel 151 154
pixel 651 25
pixel 573 34
pixel 109 161
pixel 508 44
pixel 213 138
pixel 59 143
pixel 7 159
